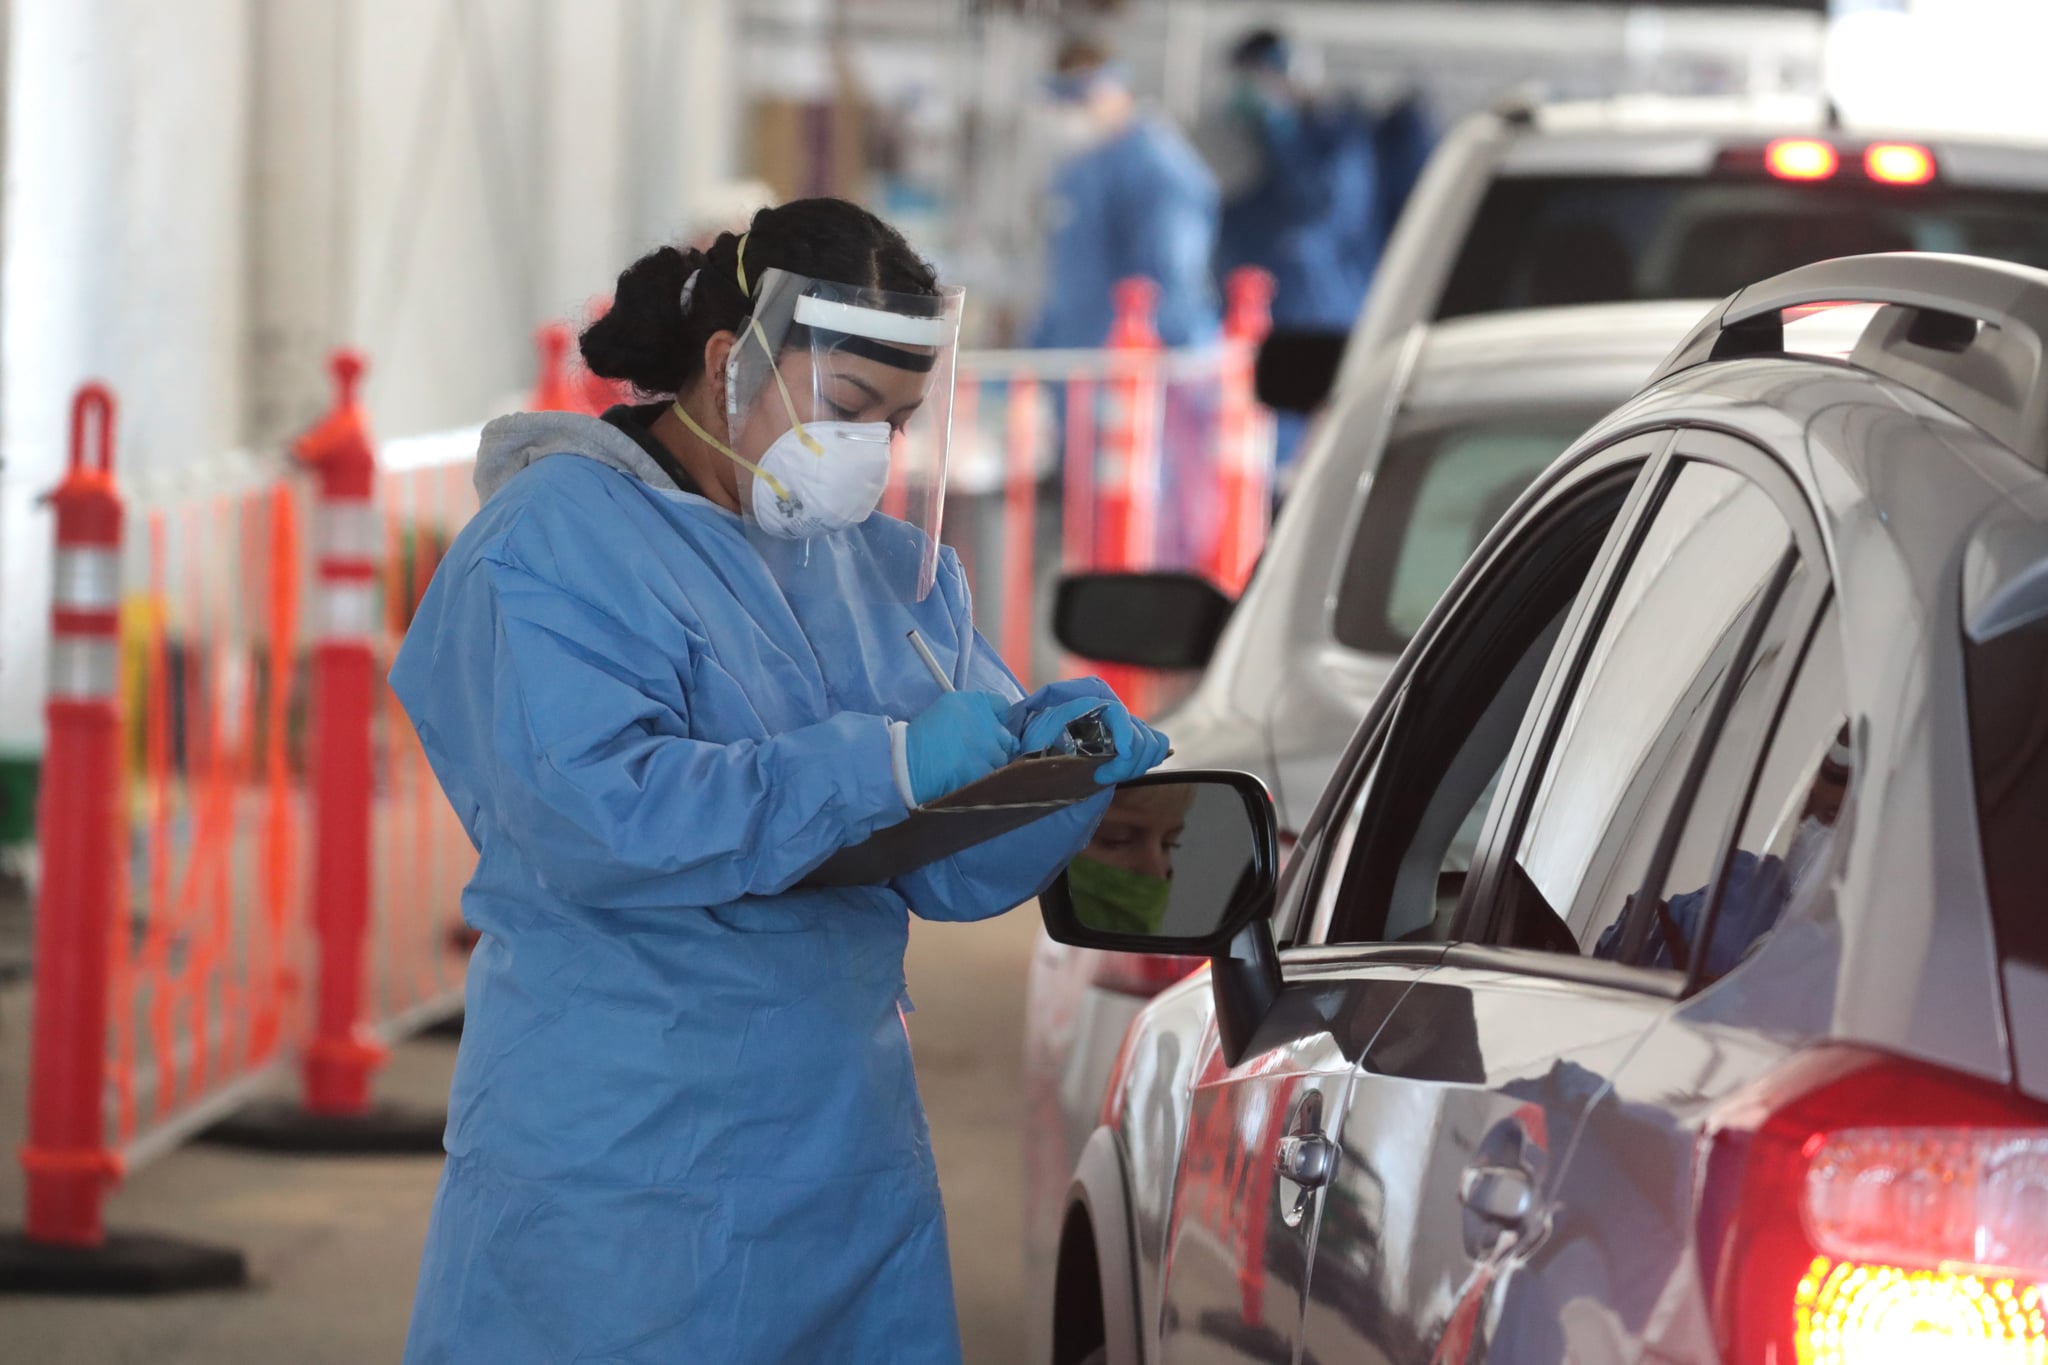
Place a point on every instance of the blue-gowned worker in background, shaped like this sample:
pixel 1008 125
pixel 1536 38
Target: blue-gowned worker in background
pixel 1307 211
pixel 663 675
pixel 1131 199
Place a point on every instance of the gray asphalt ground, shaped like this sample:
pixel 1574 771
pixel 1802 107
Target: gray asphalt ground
pixel 333 1245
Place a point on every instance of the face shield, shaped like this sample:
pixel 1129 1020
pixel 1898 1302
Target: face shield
pixel 838 409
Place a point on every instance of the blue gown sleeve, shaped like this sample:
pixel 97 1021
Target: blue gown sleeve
pixel 989 879
pixel 1168 219
pixel 594 776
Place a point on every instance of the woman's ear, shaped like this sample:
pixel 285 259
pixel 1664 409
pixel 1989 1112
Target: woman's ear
pixel 717 351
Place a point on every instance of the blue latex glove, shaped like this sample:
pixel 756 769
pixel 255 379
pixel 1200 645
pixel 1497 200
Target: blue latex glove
pixel 959 738
pixel 1139 747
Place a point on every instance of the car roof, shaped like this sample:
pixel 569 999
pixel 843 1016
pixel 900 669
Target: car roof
pixel 1590 356
pixel 1658 135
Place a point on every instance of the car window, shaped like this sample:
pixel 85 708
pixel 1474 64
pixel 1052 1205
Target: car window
pixel 1400 860
pixel 1547 240
pixel 1671 640
pixel 1788 819
pixel 1436 493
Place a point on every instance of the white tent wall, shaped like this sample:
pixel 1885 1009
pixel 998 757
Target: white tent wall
pixel 202 199
pixel 124 260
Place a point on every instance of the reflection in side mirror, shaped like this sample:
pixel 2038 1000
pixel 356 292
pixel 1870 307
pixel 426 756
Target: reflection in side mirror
pixel 1150 620
pixel 1180 862
pixel 1295 371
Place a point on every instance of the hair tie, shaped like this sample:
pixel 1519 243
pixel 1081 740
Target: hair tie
pixel 689 290
pixel 740 264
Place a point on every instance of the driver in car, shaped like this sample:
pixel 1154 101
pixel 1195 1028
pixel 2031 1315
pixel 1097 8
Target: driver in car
pixel 1122 880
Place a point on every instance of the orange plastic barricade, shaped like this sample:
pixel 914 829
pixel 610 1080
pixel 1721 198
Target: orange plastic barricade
pixel 144 1017
pixel 1125 459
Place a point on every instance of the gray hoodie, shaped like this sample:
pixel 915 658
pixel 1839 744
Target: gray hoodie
pixel 513 442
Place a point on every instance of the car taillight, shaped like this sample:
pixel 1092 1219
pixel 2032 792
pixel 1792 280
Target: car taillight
pixel 1898 163
pixel 1142 974
pixel 1861 1208
pixel 1801 158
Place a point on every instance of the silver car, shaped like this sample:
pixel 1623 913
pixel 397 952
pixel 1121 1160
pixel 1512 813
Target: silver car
pixel 1728 1040
pixel 1659 198
pixel 1418 460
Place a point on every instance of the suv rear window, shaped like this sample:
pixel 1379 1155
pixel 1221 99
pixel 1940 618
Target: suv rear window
pixel 2008 683
pixel 1436 493
pixel 1562 240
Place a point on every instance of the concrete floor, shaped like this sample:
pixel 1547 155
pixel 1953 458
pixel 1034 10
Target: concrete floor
pixel 334 1245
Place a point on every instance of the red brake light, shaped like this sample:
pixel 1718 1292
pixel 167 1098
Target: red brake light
pixel 1860 1207
pixel 1801 158
pixel 1143 974
pixel 1898 163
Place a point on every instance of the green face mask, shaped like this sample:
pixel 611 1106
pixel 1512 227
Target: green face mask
pixel 1117 900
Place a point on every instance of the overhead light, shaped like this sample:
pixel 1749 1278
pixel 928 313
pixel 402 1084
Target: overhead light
pixel 1898 163
pixel 1801 158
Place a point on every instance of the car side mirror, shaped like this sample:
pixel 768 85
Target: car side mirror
pixel 1180 863
pixel 1295 371
pixel 1149 620
pixel 1183 863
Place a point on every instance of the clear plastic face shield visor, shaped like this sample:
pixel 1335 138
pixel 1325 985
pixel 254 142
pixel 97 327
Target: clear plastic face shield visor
pixel 839 408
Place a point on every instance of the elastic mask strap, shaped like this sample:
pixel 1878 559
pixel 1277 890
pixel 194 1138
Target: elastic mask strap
pixel 774 484
pixel 809 441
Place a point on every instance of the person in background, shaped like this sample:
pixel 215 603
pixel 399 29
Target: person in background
pixel 1307 210
pixel 1403 137
pixel 1131 198
pixel 1305 206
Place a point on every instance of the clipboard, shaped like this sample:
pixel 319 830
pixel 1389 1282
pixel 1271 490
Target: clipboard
pixel 1007 799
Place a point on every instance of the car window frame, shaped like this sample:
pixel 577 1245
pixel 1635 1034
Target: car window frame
pixel 1477 930
pixel 1555 496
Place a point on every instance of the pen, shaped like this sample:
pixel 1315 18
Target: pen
pixel 924 651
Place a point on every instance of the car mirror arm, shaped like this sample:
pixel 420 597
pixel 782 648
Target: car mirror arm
pixel 1245 978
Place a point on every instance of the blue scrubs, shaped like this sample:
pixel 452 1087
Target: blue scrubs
pixel 684 1125
pixel 1140 203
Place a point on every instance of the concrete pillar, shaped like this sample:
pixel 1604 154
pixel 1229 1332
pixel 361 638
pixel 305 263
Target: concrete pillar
pixel 123 232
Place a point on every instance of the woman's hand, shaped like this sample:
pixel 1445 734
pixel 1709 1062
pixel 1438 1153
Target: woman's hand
pixel 959 738
pixel 1139 747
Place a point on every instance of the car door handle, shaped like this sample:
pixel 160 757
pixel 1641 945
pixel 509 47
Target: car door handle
pixel 1501 1195
pixel 1307 1159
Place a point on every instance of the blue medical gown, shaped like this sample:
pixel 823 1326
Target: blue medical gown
pixel 684 1125
pixel 1140 203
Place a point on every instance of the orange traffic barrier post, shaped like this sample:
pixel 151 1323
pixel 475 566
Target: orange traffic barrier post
pixel 342 1053
pixel 552 391
pixel 68 1161
pixel 1128 470
pixel 1244 435
pixel 1020 525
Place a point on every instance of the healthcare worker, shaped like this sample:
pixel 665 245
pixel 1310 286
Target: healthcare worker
pixel 1132 199
pixel 662 676
pixel 1303 209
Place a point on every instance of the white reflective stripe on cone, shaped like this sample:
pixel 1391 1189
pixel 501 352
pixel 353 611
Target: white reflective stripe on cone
pixel 351 528
pixel 88 580
pixel 346 610
pixel 84 668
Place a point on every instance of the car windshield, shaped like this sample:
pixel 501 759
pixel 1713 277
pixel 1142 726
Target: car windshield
pixel 1438 490
pixel 1562 240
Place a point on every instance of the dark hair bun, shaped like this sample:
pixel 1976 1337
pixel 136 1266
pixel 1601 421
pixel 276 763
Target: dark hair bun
pixel 641 339
pixel 649 341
